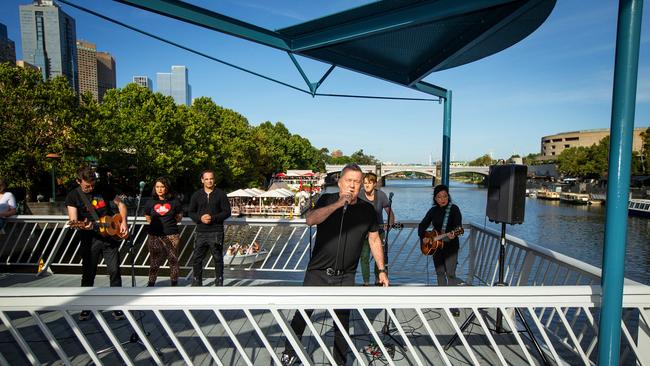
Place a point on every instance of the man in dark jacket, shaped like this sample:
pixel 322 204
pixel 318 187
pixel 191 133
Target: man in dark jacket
pixel 209 208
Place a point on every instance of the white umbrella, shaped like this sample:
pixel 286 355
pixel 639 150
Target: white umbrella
pixel 240 193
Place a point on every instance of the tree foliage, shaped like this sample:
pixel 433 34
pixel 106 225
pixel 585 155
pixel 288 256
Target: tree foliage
pixel 138 135
pixel 581 161
pixel 484 160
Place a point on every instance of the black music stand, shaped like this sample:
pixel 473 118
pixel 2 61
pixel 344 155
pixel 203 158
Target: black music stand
pixel 499 321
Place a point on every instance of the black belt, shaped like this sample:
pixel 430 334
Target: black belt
pixel 334 272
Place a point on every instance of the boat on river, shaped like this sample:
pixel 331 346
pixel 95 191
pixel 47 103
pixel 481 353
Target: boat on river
pixel 574 198
pixel 544 194
pixel 638 207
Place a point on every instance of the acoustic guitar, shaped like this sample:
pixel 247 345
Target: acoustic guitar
pixel 436 240
pixel 107 226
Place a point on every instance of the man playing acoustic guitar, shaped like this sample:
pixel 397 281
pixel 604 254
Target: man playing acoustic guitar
pixel 89 209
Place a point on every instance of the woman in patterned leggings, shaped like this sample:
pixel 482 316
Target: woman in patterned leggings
pixel 163 213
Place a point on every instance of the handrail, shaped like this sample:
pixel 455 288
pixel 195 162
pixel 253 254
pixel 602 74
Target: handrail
pixel 253 323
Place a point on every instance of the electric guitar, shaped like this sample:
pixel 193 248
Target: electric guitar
pixel 107 226
pixel 436 240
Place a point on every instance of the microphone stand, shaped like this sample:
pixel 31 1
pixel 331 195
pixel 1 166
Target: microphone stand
pixel 130 242
pixel 386 329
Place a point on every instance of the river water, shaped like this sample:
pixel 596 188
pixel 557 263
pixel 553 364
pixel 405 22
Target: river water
pixel 576 231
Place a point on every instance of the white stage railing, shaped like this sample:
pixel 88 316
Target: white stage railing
pixel 286 247
pixel 249 325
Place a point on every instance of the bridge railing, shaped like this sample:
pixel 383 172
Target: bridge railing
pixel 250 325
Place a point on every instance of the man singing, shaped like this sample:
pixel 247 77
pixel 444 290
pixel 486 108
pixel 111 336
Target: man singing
pixel 343 221
pixel 209 207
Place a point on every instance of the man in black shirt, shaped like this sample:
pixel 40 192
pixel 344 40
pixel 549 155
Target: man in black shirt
pixel 93 244
pixel 209 207
pixel 343 223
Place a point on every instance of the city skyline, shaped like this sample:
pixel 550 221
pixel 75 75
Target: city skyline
pixel 556 80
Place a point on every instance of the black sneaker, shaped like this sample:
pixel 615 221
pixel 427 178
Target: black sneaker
pixel 85 315
pixel 288 359
pixel 118 315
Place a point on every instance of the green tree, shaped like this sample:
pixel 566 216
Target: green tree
pixel 484 160
pixel 35 118
pixel 644 155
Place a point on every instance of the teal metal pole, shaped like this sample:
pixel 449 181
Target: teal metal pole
pixel 446 140
pixel 618 185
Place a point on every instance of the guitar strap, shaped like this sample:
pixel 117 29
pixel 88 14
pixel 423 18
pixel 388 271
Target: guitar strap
pixel 445 219
pixel 89 207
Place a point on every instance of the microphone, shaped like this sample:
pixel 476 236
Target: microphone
pixel 390 196
pixel 345 206
pixel 141 187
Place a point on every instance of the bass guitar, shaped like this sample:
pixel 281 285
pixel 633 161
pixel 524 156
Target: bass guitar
pixel 107 226
pixel 436 240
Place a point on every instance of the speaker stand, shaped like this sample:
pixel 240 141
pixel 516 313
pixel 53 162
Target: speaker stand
pixel 499 321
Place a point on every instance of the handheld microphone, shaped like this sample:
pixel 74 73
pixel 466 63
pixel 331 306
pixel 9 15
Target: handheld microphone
pixel 390 196
pixel 345 206
pixel 141 187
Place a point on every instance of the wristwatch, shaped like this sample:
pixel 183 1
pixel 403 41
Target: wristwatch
pixel 383 270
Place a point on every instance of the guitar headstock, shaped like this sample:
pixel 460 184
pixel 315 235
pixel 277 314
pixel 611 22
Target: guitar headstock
pixel 74 224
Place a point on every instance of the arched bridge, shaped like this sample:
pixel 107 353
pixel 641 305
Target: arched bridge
pixel 383 170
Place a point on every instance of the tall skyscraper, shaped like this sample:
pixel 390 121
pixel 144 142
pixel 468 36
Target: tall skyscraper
pixel 96 70
pixel 106 78
pixel 7 46
pixel 143 81
pixel 174 84
pixel 87 68
pixel 49 40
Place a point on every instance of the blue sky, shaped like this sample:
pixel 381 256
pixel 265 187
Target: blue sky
pixel 556 80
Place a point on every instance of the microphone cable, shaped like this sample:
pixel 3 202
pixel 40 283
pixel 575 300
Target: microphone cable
pixel 338 245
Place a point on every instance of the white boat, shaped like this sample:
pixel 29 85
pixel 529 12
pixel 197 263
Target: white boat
pixel 574 198
pixel 244 259
pixel 638 207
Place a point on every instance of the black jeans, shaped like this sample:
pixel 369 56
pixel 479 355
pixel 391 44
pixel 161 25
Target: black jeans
pixel 214 242
pixel 445 261
pixel 298 324
pixel 92 250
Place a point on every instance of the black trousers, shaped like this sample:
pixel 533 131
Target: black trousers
pixel 298 324
pixel 446 261
pixel 212 241
pixel 92 250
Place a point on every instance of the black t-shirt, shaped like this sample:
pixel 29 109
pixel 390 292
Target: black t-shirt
pixel 436 215
pixel 163 216
pixel 360 218
pixel 101 199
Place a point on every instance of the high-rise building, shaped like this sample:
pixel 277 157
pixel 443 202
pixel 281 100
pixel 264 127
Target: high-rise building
pixel 143 81
pixel 49 40
pixel 7 46
pixel 96 70
pixel 174 84
pixel 87 68
pixel 106 78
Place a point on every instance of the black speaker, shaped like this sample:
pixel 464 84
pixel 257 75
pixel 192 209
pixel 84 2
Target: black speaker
pixel 506 199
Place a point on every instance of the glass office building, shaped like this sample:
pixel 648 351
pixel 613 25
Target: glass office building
pixel 175 84
pixel 49 40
